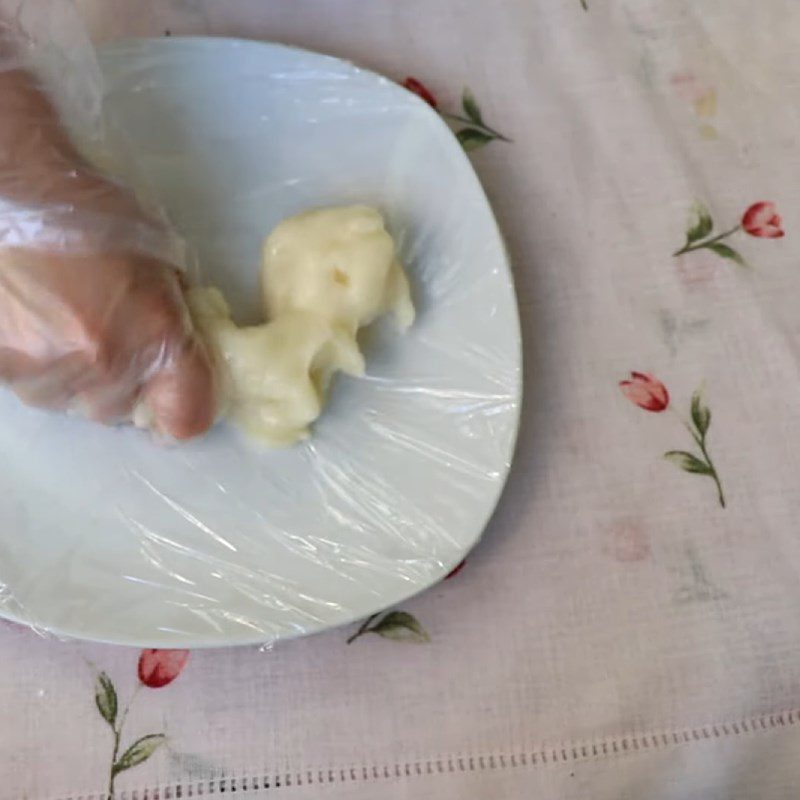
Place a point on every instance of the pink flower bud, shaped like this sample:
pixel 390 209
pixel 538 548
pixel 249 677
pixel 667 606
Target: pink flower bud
pixel 762 220
pixel 158 668
pixel 421 90
pixel 646 391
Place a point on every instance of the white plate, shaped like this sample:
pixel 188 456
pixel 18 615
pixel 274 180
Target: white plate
pixel 106 536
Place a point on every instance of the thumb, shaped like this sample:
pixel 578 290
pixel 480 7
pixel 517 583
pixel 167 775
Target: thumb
pixel 181 397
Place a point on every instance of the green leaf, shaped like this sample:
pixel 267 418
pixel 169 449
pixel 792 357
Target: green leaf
pixel 139 752
pixel 700 223
pixel 688 463
pixel 472 139
pixel 471 107
pixel 402 627
pixel 105 696
pixel 701 413
pixel 727 252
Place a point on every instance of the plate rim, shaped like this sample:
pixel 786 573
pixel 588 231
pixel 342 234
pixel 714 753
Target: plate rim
pixel 209 641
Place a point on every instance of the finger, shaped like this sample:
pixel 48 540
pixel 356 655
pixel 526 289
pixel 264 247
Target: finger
pixel 108 404
pixel 181 397
pixel 46 385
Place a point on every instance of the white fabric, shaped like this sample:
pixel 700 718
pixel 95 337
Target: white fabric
pixel 612 598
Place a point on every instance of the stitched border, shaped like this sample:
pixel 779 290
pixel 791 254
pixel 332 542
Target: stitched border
pixel 560 754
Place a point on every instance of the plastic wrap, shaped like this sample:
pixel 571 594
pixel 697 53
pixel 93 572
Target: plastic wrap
pixel 106 534
pixel 93 315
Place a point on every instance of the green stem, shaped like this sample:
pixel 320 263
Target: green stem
pixel 363 629
pixel 697 439
pixel 128 707
pixel 117 736
pixel 112 772
pixel 479 125
pixel 700 441
pixel 584 5
pixel 688 248
pixel 713 469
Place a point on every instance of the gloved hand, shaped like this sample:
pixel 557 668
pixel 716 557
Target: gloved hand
pixel 92 312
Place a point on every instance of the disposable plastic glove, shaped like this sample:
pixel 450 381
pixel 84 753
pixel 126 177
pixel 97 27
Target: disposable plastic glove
pixel 92 311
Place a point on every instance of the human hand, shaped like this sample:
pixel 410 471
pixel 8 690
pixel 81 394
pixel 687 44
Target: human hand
pixel 92 314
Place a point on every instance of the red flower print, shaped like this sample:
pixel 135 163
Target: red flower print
pixel 650 394
pixel 645 391
pixel 158 668
pixel 763 221
pixel 760 220
pixel 477 132
pixel 421 90
pixel 456 569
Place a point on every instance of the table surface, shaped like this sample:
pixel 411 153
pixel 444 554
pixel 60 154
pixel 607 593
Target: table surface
pixel 629 627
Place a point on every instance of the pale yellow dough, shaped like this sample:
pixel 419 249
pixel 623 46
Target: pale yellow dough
pixel 326 274
pixel 339 263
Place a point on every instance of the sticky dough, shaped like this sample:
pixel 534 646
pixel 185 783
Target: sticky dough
pixel 326 274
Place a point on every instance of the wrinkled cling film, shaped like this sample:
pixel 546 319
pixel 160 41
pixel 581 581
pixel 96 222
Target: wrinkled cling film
pixel 94 322
pixel 216 541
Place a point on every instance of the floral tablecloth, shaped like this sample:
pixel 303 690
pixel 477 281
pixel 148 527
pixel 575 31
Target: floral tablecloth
pixel 630 625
